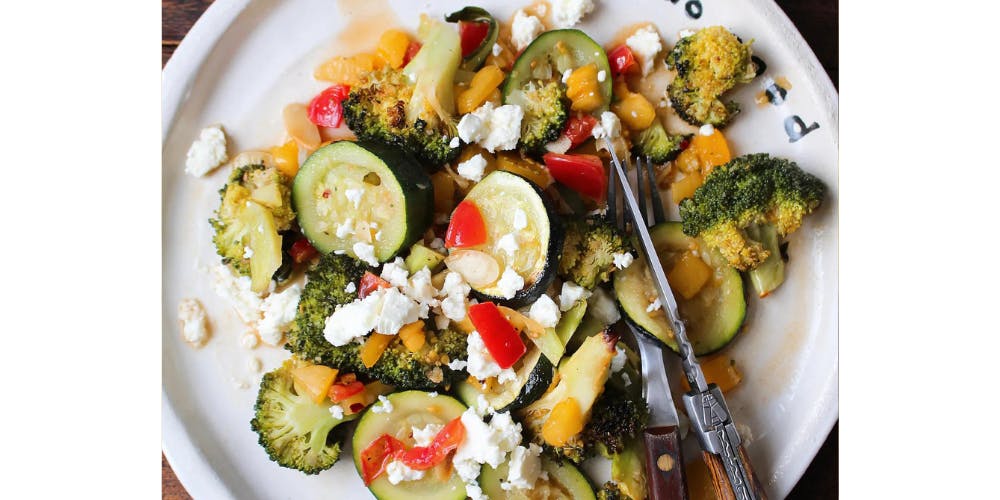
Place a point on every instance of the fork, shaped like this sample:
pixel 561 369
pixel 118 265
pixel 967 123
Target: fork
pixel 664 460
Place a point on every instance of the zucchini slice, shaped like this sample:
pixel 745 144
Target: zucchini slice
pixel 475 60
pixel 410 409
pixel 499 196
pixel 713 316
pixel 581 50
pixel 564 482
pixel 380 195
pixel 534 375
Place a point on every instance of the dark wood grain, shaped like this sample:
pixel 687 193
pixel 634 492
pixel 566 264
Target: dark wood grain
pixel 720 480
pixel 664 463
pixel 817 20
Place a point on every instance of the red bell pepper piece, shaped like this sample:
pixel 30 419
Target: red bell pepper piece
pixel 578 129
pixel 369 283
pixel 472 34
pixel 302 251
pixel 581 173
pixel 622 60
pixel 446 441
pixel 377 456
pixel 325 109
pixel 411 50
pixel 340 392
pixel 467 227
pixel 501 339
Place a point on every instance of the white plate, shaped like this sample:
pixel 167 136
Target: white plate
pixel 244 60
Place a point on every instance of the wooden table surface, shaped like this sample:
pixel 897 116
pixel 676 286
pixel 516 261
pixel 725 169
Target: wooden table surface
pixel 815 19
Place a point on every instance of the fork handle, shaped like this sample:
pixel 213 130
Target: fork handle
pixel 664 463
pixel 721 481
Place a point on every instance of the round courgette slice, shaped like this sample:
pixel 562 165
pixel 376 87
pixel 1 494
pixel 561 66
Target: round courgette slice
pixel 499 197
pixel 534 375
pixel 564 482
pixel 713 317
pixel 379 195
pixel 410 409
pixel 562 50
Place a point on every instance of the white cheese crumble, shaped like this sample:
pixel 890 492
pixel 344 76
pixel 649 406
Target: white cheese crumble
pixel 685 33
pixel 472 168
pixel 454 143
pixel 432 394
pixel 494 128
pixel 484 444
pixel 481 363
pixel 566 74
pixel 346 229
pixel 645 44
pixel 365 252
pixel 508 243
pixel 618 362
pixel 423 436
pixel 279 314
pixel 337 412
pixel 571 293
pixel 455 291
pixel 560 145
pixel 395 272
pixel 520 219
pixel 353 320
pixel 545 312
pixel 458 364
pixel 354 196
pixel 237 292
pixel 438 244
pixel 524 29
pixel 350 288
pixel 566 13
pixel 207 152
pixel 383 405
pixel 524 467
pixel 497 49
pixel 626 379
pixel 247 252
pixel 395 311
pixel 610 126
pixel 398 472
pixel 622 260
pixel 655 306
pixel 602 75
pixel 194 327
pixel 603 307
pixel 510 283
pixel 706 129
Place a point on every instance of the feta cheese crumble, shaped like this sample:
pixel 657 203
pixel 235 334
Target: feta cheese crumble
pixel 685 33
pixel 655 306
pixel 350 288
pixel 398 472
pixel 545 311
pixel 395 272
pixel 497 49
pixel 472 168
pixel 524 468
pixel 454 143
pixel 484 444
pixel 423 436
pixel 524 29
pixel 353 320
pixel 455 292
pixel 194 328
pixel 365 252
pixel 510 283
pixel 493 128
pixel 247 252
pixel 602 75
pixel 279 314
pixel 354 196
pixel 603 307
pixel 566 74
pixel 610 126
pixel 383 405
pixel 706 129
pixel 520 219
pixel 645 44
pixel 618 362
pixel 508 243
pixel 622 260
pixel 571 293
pixel 237 292
pixel 337 412
pixel 346 229
pixel 481 363
pixel 566 13
pixel 207 152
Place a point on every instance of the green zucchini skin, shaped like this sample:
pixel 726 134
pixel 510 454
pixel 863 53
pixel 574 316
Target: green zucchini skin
pixel 536 381
pixel 712 329
pixel 416 194
pixel 409 408
pixel 547 273
pixel 563 476
pixel 583 48
pixel 480 15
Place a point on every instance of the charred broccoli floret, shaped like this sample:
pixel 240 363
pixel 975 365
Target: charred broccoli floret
pixel 628 471
pixel 746 206
pixel 610 491
pixel 412 108
pixel 618 417
pixel 255 205
pixel 398 366
pixel 589 250
pixel 295 431
pixel 656 144
pixel 546 109
pixel 709 63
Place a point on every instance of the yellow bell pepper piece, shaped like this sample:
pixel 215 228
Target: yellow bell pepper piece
pixel 315 380
pixel 286 158
pixel 392 48
pixel 689 275
pixel 373 348
pixel 483 83
pixel 565 421
pixel 583 90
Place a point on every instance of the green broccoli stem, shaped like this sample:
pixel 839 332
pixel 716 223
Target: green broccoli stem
pixel 771 273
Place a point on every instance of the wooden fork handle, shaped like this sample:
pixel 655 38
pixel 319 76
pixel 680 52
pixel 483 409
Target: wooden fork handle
pixel 721 481
pixel 664 464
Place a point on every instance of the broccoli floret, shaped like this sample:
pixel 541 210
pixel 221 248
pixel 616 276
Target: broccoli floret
pixel 295 431
pixel 412 108
pixel 628 472
pixel 709 63
pixel 610 491
pixel 618 416
pixel 657 145
pixel 261 185
pixel 324 291
pixel 752 190
pixel 546 109
pixel 589 249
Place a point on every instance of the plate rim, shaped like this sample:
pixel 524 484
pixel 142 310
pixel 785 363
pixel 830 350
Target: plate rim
pixel 186 460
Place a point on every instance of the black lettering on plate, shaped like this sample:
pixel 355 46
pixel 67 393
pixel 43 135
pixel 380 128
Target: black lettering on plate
pixel 776 94
pixel 797 129
pixel 693 8
pixel 761 65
